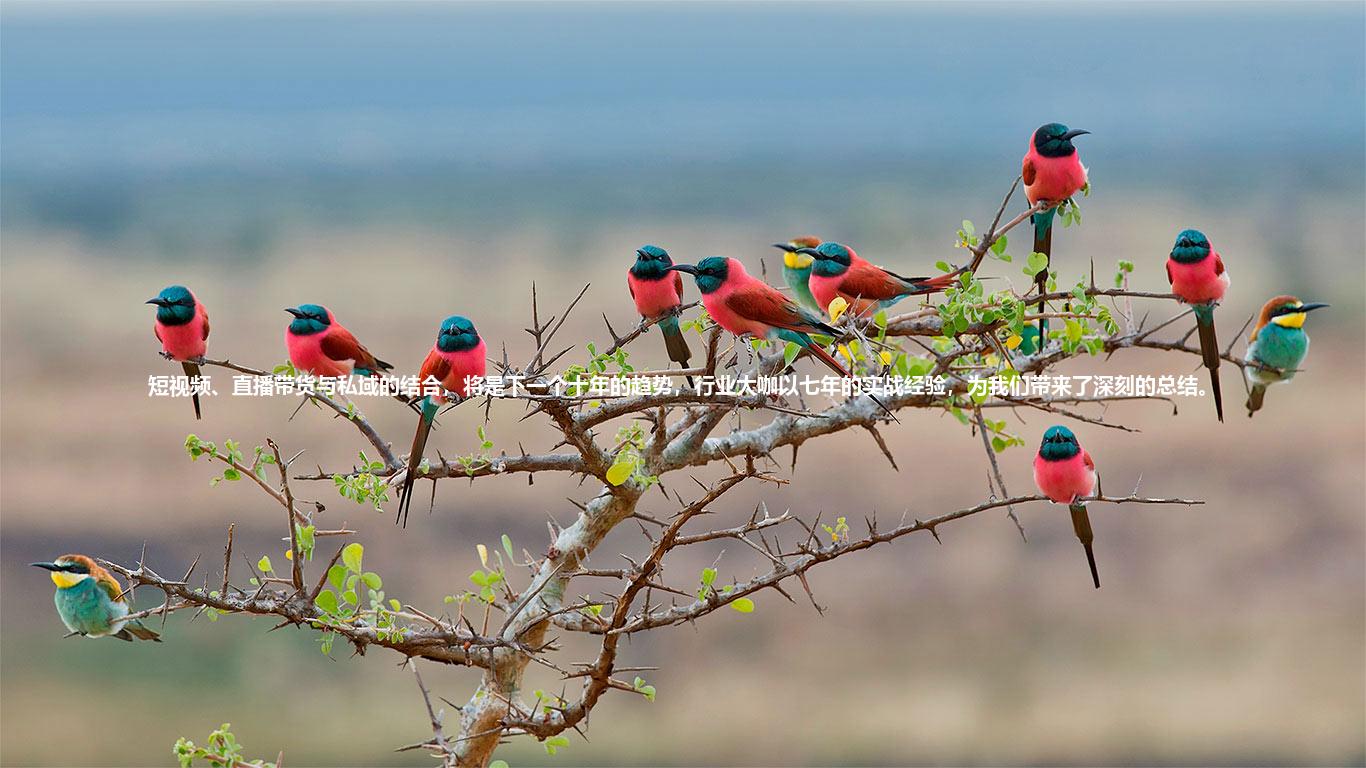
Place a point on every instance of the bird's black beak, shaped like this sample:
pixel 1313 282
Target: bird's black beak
pixel 47 566
pixel 294 311
pixel 810 251
pixel 1073 134
pixel 789 247
pixel 1312 307
pixel 690 269
pixel 160 302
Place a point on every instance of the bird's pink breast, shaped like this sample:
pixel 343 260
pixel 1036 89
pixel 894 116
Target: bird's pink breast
pixel 824 288
pixel 1055 178
pixel 306 353
pixel 654 297
pixel 183 342
pixel 715 303
pixel 1062 481
pixel 1197 283
pixel 464 364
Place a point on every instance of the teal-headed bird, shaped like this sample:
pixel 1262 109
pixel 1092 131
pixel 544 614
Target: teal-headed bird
pixel 91 602
pixel 1052 172
pixel 1276 346
pixel 1197 276
pixel 797 270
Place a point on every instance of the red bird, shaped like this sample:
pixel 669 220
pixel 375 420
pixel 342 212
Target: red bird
pixel 1065 473
pixel 319 345
pixel 1196 272
pixel 838 271
pixel 182 327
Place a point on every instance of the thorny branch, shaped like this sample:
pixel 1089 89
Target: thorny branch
pixel 686 431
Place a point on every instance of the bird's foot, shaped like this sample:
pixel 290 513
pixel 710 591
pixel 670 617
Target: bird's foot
pixel 166 355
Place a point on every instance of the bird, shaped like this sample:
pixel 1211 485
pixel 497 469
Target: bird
pixel 457 356
pixel 1052 172
pixel 182 327
pixel 319 345
pixel 797 269
pixel 838 271
pixel 1276 346
pixel 1065 473
pixel 1197 276
pixel 742 303
pixel 658 293
pixel 91 602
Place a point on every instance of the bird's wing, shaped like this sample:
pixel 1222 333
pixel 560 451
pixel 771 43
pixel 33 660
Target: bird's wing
pixel 872 282
pixel 1218 264
pixel 206 322
pixel 763 304
pixel 156 331
pixel 629 286
pixel 1169 273
pixel 1027 171
pixel 110 585
pixel 1086 458
pixel 678 285
pixel 339 344
pixel 435 366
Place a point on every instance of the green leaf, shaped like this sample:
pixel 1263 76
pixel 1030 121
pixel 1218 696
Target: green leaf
pixel 507 547
pixel 326 601
pixel 498 764
pixel 648 690
pixel 968 228
pixel 942 266
pixel 264 563
pixel 790 353
pixel 743 605
pixel 349 596
pixel 371 580
pixel 351 556
pixel 999 247
pixel 1036 263
pixel 480 578
pixel 620 471
pixel 231 474
pixel 708 576
pixel 336 575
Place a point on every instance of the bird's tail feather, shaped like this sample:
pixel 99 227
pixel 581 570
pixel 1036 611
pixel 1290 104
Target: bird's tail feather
pixel 192 370
pixel 424 428
pixel 825 357
pixel 1254 399
pixel 136 629
pixel 675 343
pixel 1043 243
pixel 1081 525
pixel 1209 351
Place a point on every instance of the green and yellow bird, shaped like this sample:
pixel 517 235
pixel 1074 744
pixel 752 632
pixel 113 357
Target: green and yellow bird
pixel 1276 346
pixel 91 602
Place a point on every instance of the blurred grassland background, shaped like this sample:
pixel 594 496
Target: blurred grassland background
pixel 404 162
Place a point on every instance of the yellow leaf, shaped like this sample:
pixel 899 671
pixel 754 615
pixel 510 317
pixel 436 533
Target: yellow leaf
pixel 844 351
pixel 619 472
pixel 483 554
pixel 836 308
pixel 289 554
pixel 886 357
pixel 1013 341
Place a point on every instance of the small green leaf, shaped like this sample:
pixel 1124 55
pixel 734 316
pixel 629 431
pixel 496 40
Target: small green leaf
pixel 743 605
pixel 351 556
pixel 264 563
pixel 326 601
pixel 708 576
pixel 231 474
pixel 620 471
pixel 336 575
pixel 507 547
pixel 371 580
pixel 480 578
pixel 790 353
pixel 349 596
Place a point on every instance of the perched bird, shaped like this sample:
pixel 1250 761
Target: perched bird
pixel 1276 346
pixel 182 327
pixel 797 270
pixel 1197 275
pixel 658 294
pixel 742 303
pixel 1066 474
pixel 838 271
pixel 319 345
pixel 1052 172
pixel 91 602
pixel 458 355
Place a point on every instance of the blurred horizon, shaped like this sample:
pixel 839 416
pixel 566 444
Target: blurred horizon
pixel 400 162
